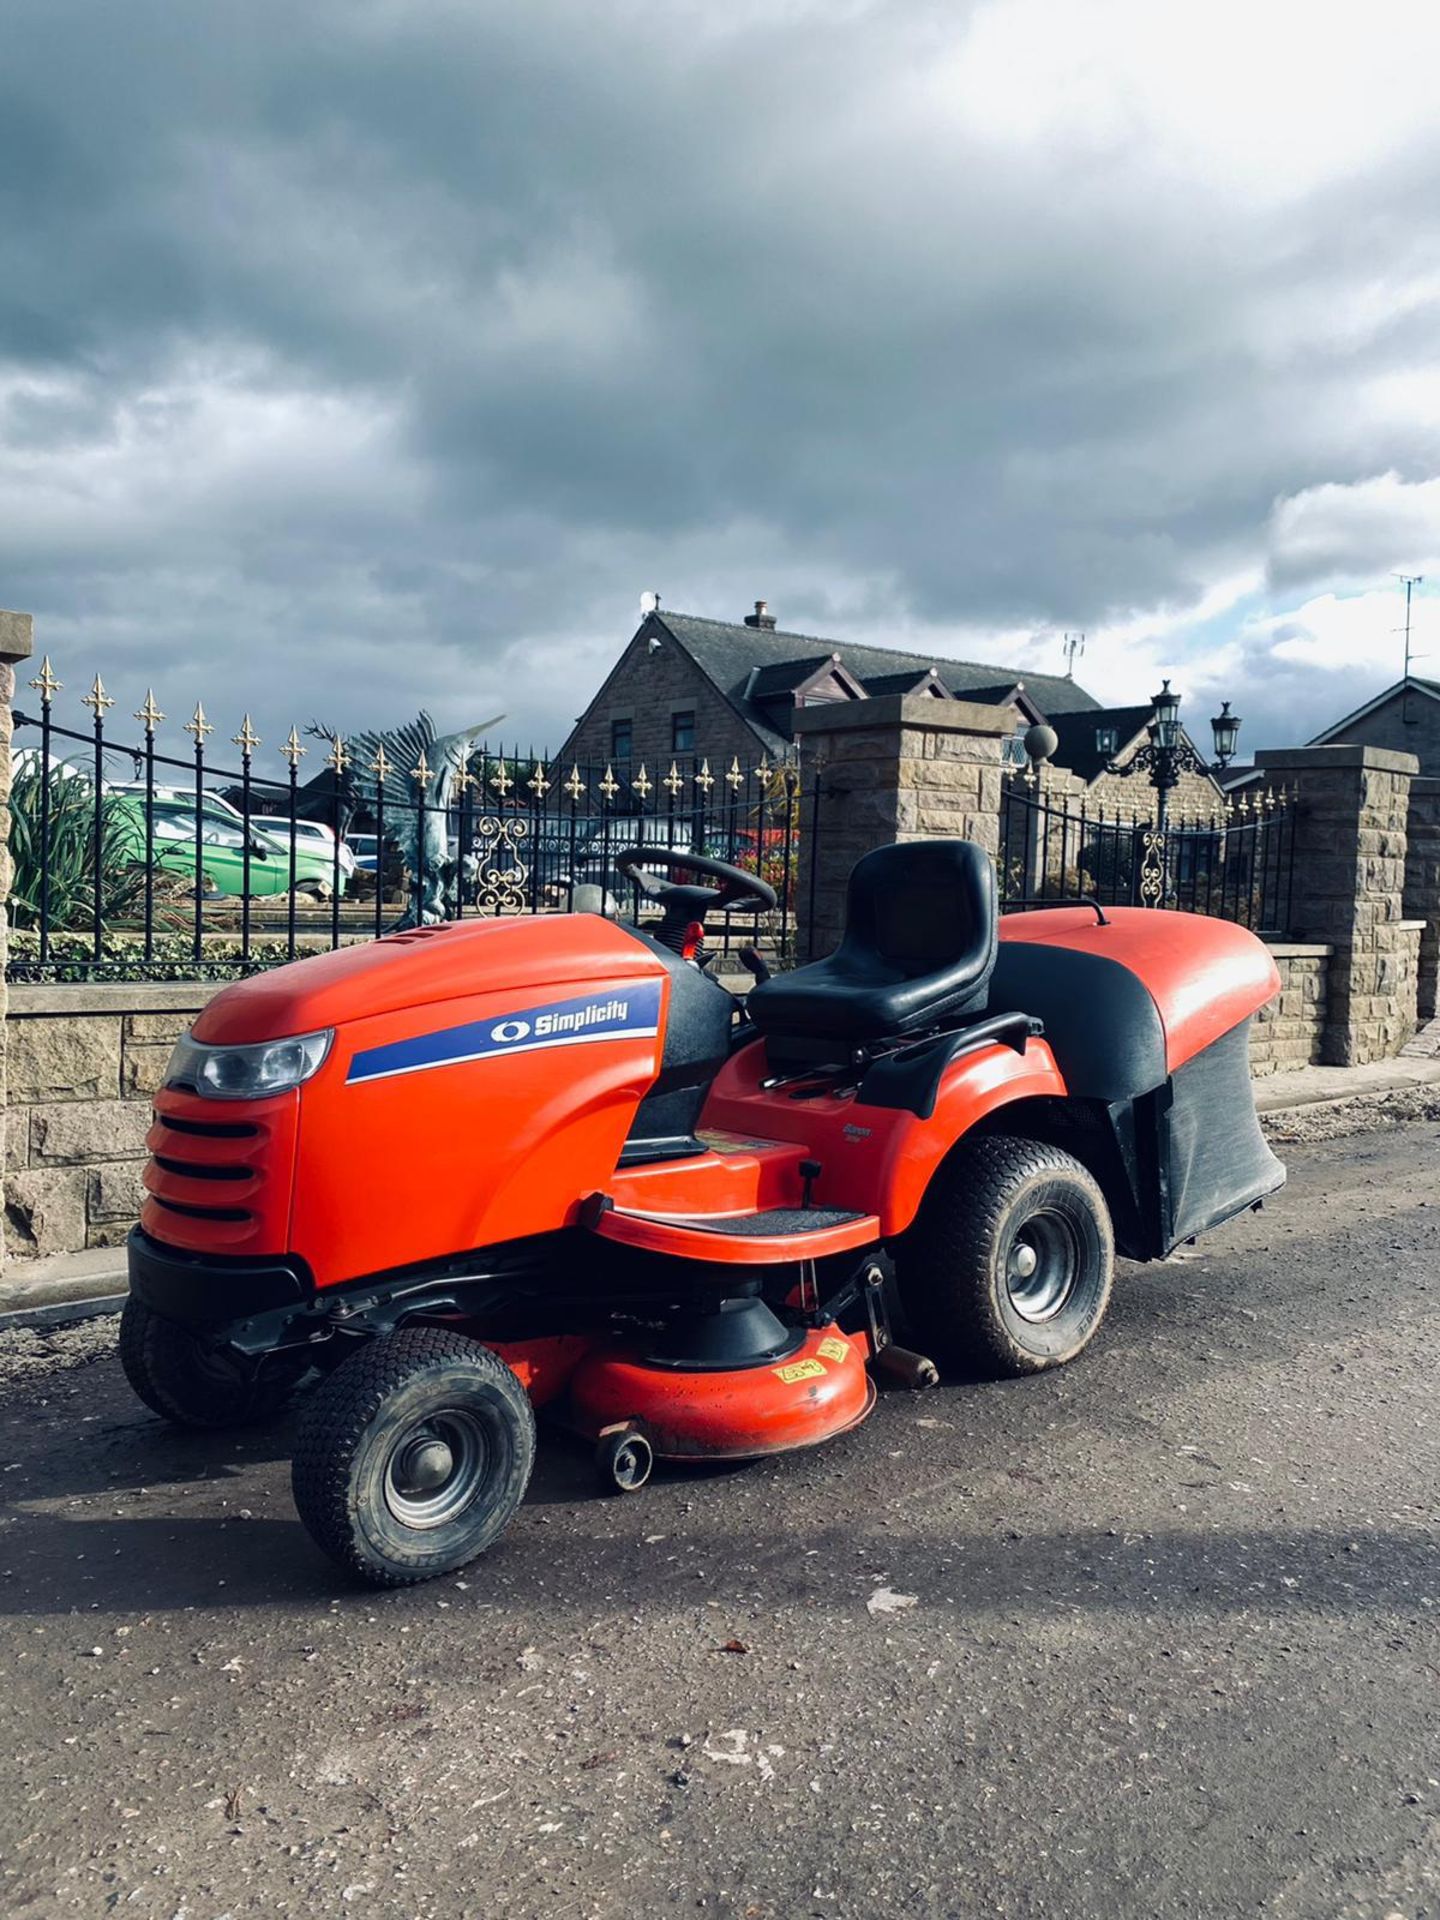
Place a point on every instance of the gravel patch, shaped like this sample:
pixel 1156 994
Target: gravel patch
pixel 29 1351
pixel 1366 1113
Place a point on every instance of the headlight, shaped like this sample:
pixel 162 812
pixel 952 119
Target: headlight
pixel 246 1073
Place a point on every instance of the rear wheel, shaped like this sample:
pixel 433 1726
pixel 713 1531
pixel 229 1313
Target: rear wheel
pixel 413 1456
pixel 192 1385
pixel 1009 1266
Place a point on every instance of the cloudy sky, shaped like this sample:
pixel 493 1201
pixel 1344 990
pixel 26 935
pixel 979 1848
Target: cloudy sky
pixel 373 353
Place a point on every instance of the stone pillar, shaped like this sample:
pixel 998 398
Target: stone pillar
pixel 15 643
pixel 901 767
pixel 1422 887
pixel 1348 890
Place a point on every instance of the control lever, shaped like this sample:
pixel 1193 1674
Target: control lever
pixel 751 959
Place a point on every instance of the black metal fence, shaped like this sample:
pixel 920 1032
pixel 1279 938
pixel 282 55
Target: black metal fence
pixel 1233 859
pixel 133 862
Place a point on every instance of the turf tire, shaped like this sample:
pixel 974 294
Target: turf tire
pixel 956 1267
pixel 192 1385
pixel 355 1426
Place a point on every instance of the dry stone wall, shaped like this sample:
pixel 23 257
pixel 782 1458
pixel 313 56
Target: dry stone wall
pixel 83 1063
pixel 1289 1033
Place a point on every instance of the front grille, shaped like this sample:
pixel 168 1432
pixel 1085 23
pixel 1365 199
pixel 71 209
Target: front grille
pixel 209 1129
pixel 196 1170
pixel 189 1155
pixel 201 1213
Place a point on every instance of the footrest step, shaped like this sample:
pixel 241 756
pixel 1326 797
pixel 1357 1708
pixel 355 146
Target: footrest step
pixel 748 1239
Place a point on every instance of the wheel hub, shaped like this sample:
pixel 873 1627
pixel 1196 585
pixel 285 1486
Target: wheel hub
pixel 435 1469
pixel 427 1464
pixel 1041 1267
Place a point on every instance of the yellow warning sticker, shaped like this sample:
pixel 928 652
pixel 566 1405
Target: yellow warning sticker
pixel 799 1370
pixel 834 1348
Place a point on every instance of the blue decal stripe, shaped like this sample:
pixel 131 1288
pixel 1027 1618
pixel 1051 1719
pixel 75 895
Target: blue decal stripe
pixel 628 1011
pixel 493 1053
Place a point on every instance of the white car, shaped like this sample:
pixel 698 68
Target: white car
pixel 314 835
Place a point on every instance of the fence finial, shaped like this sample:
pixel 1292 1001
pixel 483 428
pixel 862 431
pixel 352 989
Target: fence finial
pixel 704 779
pixel 537 782
pixel 339 754
pixel 293 751
pixel 246 739
pixel 381 765
pixel 97 699
pixel 642 783
pixel 45 682
pixel 199 725
pixel 149 715
pixel 421 770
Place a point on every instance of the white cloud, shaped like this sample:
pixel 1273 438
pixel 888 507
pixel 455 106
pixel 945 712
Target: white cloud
pixel 1357 531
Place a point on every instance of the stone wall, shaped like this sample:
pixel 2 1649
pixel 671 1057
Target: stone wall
pixel 83 1063
pixel 1351 809
pixel 901 767
pixel 1290 1032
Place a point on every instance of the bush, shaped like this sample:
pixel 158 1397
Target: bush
pixel 72 849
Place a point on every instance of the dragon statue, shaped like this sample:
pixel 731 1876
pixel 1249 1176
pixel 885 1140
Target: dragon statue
pixel 422 836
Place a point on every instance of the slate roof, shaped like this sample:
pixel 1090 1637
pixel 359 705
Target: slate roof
pixel 783 676
pixel 903 682
pixel 1077 749
pixel 728 650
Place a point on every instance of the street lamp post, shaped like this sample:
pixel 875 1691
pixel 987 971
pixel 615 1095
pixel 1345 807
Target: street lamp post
pixel 1167 753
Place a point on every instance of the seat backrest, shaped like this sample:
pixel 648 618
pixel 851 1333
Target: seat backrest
pixel 923 907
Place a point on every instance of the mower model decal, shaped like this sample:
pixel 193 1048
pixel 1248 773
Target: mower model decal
pixel 629 1012
pixel 799 1370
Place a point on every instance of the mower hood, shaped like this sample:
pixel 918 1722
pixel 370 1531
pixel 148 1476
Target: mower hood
pixel 423 966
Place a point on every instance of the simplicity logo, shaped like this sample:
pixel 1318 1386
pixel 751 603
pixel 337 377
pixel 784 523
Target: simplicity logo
pixel 599 1013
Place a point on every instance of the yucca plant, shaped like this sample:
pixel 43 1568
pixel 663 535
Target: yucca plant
pixel 71 835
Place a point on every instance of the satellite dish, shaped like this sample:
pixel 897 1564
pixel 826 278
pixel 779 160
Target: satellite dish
pixel 649 603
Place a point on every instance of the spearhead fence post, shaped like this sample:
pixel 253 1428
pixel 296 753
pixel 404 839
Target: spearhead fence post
pixel 16 640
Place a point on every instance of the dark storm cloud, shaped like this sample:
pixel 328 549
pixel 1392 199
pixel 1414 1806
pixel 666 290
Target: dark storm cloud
pixel 365 354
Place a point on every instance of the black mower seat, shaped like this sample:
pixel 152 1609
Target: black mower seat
pixel 918 948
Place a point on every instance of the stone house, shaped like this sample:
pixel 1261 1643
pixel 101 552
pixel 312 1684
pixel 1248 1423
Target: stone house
pixel 1404 718
pixel 687 688
pixel 1093 740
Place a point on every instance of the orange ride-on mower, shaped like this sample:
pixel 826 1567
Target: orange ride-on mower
pixel 471 1170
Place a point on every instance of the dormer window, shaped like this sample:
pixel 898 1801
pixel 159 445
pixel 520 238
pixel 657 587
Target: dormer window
pixel 1107 740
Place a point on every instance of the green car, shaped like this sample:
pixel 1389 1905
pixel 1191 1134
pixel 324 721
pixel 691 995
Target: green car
pixel 222 849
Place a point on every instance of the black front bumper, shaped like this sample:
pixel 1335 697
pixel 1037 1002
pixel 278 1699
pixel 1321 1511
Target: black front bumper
pixel 207 1291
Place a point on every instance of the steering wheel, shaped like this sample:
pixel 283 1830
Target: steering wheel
pixel 682 906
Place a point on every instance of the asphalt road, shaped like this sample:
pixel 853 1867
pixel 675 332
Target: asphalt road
pixel 1161 1639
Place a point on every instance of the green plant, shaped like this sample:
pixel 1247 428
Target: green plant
pixel 122 957
pixel 69 833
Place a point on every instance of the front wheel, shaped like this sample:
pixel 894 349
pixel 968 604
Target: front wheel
pixel 193 1385
pixel 413 1456
pixel 1009 1265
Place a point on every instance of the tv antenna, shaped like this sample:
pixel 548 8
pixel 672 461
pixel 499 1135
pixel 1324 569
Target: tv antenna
pixel 1409 581
pixel 1074 644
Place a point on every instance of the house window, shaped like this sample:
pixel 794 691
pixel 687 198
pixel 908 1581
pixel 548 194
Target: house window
pixel 1107 740
pixel 682 732
pixel 622 736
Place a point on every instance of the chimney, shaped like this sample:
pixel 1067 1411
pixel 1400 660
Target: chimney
pixel 762 617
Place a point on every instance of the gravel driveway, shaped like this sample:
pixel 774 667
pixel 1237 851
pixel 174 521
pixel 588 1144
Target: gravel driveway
pixel 1154 1635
